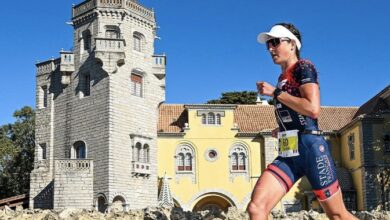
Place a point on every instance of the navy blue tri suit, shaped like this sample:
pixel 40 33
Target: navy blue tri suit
pixel 314 160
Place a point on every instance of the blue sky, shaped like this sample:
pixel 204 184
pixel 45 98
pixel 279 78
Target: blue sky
pixel 211 46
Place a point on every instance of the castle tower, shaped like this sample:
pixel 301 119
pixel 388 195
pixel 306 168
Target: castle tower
pixel 97 112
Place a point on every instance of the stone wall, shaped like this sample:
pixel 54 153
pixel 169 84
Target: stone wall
pixel 168 214
pixel 73 184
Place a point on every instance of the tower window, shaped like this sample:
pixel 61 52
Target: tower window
pixel 85 84
pixel 138 40
pixel 43 97
pixel 137 43
pixel 146 154
pixel 136 85
pixel 79 150
pixel 112 32
pixel 87 38
pixel 351 146
pixel 42 152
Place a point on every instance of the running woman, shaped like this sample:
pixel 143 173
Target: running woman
pixel 302 148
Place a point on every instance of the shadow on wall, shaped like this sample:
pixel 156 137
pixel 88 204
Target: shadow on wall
pixel 44 200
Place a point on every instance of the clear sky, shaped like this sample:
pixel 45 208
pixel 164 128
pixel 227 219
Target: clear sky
pixel 211 46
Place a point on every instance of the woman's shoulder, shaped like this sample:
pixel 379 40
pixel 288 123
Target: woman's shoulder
pixel 305 71
pixel 303 64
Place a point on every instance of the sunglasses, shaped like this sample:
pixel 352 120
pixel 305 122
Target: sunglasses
pixel 276 41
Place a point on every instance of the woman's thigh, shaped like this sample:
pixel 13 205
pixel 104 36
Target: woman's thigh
pixel 268 191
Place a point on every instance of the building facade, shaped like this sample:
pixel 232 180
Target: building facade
pixel 229 146
pixel 97 110
pixel 104 136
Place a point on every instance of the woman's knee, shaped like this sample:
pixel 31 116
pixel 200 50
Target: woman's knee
pixel 258 208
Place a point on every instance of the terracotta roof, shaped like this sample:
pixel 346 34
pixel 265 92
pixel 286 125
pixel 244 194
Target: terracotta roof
pixel 254 118
pixel 171 118
pixel 333 118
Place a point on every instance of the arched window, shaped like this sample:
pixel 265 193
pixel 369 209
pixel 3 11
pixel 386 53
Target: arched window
pixel 218 119
pixel 241 161
pixel 188 162
pixel 204 119
pixel 210 118
pixel 234 161
pixel 238 158
pixel 146 154
pixel 138 40
pixel 138 150
pixel 184 158
pixel 79 150
pixel 180 163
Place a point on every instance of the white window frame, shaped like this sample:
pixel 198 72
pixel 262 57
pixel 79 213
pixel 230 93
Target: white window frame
pixel 189 159
pixel 239 158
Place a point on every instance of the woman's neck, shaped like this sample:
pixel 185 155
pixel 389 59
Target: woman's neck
pixel 288 64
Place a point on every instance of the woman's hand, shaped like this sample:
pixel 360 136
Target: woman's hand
pixel 265 88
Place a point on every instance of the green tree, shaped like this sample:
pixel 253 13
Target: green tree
pixel 17 143
pixel 244 97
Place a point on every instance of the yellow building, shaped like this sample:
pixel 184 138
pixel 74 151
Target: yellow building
pixel 214 153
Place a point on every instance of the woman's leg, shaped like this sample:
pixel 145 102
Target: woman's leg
pixel 266 194
pixel 335 209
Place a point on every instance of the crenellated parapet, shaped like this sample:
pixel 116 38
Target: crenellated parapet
pixel 131 5
pixel 47 67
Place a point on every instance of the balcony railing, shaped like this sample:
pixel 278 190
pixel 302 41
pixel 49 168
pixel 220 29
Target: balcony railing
pixel 159 61
pixel 67 61
pixel 127 4
pixel 74 165
pixel 110 44
pixel 140 168
pixel 158 66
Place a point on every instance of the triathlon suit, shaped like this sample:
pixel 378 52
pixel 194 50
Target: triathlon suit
pixel 314 160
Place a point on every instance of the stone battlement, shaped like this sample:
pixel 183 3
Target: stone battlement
pixel 117 4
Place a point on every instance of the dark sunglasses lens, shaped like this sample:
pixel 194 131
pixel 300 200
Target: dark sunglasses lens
pixel 274 42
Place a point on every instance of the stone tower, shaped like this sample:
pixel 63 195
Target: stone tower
pixel 97 112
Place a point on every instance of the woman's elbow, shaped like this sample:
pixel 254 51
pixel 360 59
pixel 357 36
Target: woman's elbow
pixel 314 114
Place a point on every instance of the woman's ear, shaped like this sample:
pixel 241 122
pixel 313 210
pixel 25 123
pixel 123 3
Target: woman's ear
pixel 293 45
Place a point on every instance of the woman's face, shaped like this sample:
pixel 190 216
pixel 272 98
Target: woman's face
pixel 281 50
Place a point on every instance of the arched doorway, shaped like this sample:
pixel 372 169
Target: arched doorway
pixel 213 201
pixel 101 204
pixel 118 203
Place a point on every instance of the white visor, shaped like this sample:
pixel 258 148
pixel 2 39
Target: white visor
pixel 278 31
